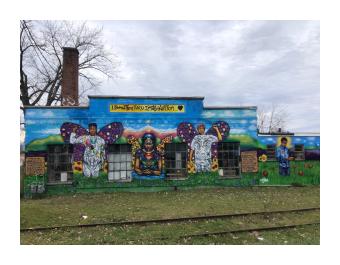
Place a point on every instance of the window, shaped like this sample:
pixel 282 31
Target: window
pixel 59 163
pixel 176 160
pixel 271 150
pixel 299 152
pixel 119 162
pixel 228 154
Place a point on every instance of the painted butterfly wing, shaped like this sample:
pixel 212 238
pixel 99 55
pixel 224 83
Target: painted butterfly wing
pixel 186 131
pixel 222 126
pixel 224 129
pixel 67 128
pixel 111 132
pixel 161 145
pixel 65 131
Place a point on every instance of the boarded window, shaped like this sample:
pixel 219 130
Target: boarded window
pixel 228 159
pixel 176 160
pixel 299 152
pixel 59 163
pixel 119 162
pixel 271 149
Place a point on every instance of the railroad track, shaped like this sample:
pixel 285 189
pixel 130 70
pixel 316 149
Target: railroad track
pixel 266 228
pixel 186 219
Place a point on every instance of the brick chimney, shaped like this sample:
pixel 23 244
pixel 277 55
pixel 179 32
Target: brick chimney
pixel 70 75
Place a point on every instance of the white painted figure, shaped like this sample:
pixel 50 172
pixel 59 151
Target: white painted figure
pixel 201 145
pixel 94 154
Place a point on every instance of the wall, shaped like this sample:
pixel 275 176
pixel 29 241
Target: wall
pixel 46 126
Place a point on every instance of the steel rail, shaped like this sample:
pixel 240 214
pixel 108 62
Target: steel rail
pixel 168 220
pixel 240 230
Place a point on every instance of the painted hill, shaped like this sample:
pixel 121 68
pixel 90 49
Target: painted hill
pixel 245 140
pixel 41 144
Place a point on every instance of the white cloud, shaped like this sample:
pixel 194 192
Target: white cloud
pixel 229 62
pixel 48 114
pixel 248 113
pixel 30 122
pixel 237 131
pixel 208 114
pixel 49 131
pixel 252 127
pixel 151 128
pixel 228 113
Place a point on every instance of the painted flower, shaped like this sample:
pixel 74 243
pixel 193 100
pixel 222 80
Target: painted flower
pixel 265 173
pixel 263 180
pixel 214 165
pixel 301 173
pixel 263 158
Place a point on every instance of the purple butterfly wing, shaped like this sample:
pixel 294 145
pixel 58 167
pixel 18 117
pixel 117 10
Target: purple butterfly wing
pixel 186 131
pixel 222 126
pixel 65 131
pixel 111 132
pixel 224 129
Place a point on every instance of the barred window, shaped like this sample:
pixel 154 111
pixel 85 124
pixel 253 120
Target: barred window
pixel 119 162
pixel 228 154
pixel 271 150
pixel 59 163
pixel 299 152
pixel 175 160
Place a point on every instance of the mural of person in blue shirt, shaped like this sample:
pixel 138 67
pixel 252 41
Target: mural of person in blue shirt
pixel 283 156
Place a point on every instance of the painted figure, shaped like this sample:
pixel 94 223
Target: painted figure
pixel 282 155
pixel 201 145
pixel 94 154
pixel 202 151
pixel 147 159
pixel 89 146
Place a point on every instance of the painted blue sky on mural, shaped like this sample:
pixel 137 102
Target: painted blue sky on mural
pixel 42 122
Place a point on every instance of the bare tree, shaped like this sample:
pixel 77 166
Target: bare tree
pixel 272 119
pixel 41 44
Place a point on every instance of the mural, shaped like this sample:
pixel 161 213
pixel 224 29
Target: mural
pixel 147 125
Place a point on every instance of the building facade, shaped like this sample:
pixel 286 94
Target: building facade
pixel 119 142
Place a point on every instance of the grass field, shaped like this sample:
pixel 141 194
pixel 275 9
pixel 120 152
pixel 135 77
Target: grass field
pixel 302 173
pixel 69 209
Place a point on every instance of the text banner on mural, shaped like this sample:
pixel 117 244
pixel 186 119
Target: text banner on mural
pixel 147 108
pixel 249 161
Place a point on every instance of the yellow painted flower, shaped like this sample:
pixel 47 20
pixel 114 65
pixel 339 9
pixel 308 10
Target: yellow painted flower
pixel 191 167
pixel 263 158
pixel 77 167
pixel 214 165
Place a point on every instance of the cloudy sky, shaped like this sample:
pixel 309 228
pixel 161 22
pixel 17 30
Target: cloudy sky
pixel 228 62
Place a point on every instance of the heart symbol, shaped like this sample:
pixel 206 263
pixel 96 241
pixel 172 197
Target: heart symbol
pixel 180 107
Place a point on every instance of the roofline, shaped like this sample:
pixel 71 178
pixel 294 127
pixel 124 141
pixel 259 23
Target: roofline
pixel 55 107
pixel 290 134
pixel 143 97
pixel 307 134
pixel 230 107
pixel 277 134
